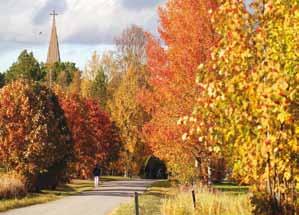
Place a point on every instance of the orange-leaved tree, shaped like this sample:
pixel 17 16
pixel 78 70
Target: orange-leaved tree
pixel 188 35
pixel 91 131
pixel 35 140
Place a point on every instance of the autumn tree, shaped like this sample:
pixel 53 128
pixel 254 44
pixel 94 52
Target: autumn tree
pixel 131 46
pixel 75 86
pixel 114 164
pixel 84 148
pixel 99 88
pixel 110 64
pixel 61 73
pixel 129 117
pixel 26 67
pixel 95 79
pixel 112 69
pixel 35 140
pixel 103 73
pixel 90 128
pixel 62 79
pixel 187 36
pixel 92 67
pixel 85 86
pixel 123 86
pixel 247 103
pixel 102 132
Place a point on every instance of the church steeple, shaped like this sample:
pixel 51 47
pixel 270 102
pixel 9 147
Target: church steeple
pixel 53 52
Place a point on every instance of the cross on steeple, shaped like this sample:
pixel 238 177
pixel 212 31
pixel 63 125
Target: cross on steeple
pixel 54 14
pixel 53 52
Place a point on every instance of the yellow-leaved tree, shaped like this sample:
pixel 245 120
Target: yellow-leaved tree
pixel 129 117
pixel 247 105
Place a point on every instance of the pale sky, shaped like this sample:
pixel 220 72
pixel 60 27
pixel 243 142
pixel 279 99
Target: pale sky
pixel 83 26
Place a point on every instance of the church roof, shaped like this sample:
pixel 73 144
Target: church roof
pixel 53 51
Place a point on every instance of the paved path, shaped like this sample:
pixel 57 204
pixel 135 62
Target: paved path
pixel 98 202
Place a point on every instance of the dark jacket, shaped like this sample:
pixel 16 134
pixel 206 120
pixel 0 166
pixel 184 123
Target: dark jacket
pixel 96 171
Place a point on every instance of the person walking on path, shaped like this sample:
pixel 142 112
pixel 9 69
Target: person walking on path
pixel 96 175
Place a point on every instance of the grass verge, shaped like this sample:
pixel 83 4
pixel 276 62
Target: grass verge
pixel 150 202
pixel 114 178
pixel 231 188
pixel 163 198
pixel 30 199
pixel 207 203
pixel 75 187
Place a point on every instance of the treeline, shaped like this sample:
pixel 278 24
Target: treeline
pixel 48 136
pixel 57 122
pixel 223 88
pixel 216 95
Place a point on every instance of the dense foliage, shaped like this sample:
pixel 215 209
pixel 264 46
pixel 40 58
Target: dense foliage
pixel 48 137
pixel 129 116
pixel 216 96
pixel 91 130
pixel 26 67
pixel 62 73
pixel 35 140
pixel 248 99
pixel 99 88
pixel 188 35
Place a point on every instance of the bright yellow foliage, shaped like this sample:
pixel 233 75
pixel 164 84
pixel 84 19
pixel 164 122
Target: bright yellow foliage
pixel 129 117
pixel 249 97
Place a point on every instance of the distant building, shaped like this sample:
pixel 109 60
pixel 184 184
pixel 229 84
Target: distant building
pixel 53 51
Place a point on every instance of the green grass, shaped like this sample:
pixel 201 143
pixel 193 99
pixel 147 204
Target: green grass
pixel 150 202
pixel 231 188
pixel 75 187
pixel 113 178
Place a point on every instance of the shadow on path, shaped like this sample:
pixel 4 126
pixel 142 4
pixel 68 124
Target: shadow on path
pixel 119 188
pixel 99 201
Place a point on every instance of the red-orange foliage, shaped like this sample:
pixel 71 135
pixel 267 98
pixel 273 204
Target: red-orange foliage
pixel 100 128
pixel 35 140
pixel 188 35
pixel 91 131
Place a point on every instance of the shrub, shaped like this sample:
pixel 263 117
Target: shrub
pixel 12 186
